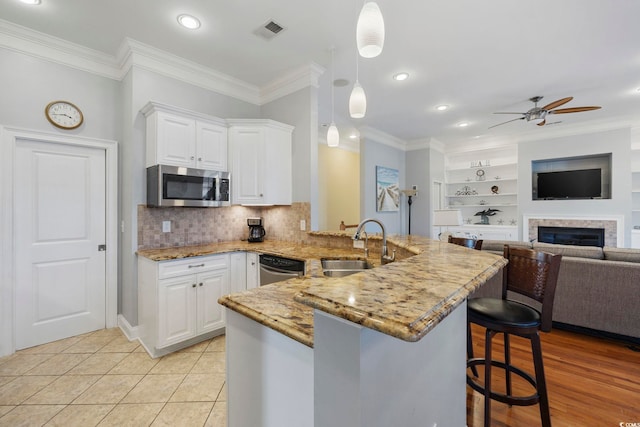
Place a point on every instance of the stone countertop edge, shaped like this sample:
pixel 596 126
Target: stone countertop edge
pixel 288 307
pixel 412 331
pixel 304 337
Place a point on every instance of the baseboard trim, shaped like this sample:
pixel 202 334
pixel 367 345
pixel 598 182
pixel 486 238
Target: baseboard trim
pixel 596 333
pixel 131 332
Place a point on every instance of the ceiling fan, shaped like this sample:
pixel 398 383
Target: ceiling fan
pixel 539 114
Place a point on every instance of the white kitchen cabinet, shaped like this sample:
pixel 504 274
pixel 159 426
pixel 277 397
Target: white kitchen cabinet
pixel 261 162
pixel 238 277
pixel 180 137
pixel 253 270
pixel 245 271
pixel 178 301
pixel 485 232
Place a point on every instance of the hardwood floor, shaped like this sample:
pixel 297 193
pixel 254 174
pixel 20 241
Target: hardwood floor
pixel 590 381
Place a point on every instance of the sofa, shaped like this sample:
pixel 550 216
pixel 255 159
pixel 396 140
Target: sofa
pixel 598 289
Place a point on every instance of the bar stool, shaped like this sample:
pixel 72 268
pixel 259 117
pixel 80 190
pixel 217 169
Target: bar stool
pixel 466 242
pixel 473 244
pixel 534 275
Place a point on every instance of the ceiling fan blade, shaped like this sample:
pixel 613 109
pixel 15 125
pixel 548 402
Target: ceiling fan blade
pixel 542 123
pixel 509 121
pixel 557 103
pixel 502 112
pixel 573 110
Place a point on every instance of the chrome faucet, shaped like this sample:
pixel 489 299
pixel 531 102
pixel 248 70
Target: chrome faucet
pixel 385 258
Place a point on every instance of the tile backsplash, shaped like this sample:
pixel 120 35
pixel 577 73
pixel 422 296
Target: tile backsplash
pixel 199 226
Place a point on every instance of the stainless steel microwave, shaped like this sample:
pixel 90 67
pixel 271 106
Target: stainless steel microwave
pixel 180 186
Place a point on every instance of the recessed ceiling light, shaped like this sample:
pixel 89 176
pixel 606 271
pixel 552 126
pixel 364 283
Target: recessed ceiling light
pixel 353 136
pixel 463 124
pixel 188 21
pixel 401 76
pixel 442 107
pixel 30 1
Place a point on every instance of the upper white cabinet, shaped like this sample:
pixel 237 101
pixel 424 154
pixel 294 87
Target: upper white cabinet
pixel 179 137
pixel 261 162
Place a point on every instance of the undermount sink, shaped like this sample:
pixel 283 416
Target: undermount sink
pixel 344 267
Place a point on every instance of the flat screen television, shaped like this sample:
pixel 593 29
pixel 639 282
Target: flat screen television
pixel 574 184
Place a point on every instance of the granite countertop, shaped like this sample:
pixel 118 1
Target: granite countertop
pixel 405 299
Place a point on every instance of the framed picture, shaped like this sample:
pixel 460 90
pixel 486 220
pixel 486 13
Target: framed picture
pixel 387 189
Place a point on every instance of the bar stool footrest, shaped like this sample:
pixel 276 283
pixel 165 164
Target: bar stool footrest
pixel 501 397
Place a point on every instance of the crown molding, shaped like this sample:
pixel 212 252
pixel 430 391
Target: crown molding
pixel 132 53
pixel 426 143
pixel 376 135
pixel 293 81
pixel 43 46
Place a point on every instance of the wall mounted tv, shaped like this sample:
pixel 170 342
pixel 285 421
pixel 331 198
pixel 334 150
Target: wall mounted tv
pixel 572 178
pixel 575 184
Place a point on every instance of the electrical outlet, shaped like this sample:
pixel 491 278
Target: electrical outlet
pixel 358 244
pixel 303 225
pixel 166 226
pixel 414 187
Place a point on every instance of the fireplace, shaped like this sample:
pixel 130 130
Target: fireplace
pixel 613 225
pixel 578 236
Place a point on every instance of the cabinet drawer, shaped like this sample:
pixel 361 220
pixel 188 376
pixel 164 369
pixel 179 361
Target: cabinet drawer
pixel 192 265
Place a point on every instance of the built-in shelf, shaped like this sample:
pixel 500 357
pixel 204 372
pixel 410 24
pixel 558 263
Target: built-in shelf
pixel 462 175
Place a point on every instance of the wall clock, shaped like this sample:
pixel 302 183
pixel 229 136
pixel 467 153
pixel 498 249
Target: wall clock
pixel 64 114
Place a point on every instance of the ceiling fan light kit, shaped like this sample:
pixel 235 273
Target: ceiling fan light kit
pixel 538 115
pixel 370 30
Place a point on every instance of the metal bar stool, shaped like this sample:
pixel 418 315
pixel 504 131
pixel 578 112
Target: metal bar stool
pixel 534 275
pixel 466 242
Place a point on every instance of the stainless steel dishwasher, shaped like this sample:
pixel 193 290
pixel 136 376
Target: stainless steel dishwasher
pixel 275 269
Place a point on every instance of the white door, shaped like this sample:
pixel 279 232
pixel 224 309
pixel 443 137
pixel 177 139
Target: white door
pixel 59 216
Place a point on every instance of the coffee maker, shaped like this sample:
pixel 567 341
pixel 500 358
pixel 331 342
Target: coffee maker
pixel 256 230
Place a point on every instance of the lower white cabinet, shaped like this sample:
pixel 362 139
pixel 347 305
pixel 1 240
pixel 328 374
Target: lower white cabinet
pixel 253 270
pixel 178 301
pixel 486 232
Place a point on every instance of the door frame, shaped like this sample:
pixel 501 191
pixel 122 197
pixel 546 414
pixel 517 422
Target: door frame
pixel 8 139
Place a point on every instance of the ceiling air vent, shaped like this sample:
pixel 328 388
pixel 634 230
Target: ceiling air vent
pixel 269 30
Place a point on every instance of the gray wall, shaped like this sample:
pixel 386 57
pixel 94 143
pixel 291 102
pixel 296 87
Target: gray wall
pixel 28 84
pixel 374 154
pixel 617 142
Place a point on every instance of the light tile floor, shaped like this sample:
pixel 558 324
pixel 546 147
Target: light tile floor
pixel 101 378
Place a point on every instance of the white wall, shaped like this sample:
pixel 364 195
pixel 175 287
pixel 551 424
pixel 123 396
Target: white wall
pixel 374 154
pixel 617 142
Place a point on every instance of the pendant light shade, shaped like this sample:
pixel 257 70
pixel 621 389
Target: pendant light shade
pixel 357 102
pixel 333 137
pixel 370 30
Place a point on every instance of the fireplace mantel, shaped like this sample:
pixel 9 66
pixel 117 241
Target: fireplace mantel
pixel 613 225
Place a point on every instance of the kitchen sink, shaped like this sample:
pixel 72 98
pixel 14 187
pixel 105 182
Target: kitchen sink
pixel 344 267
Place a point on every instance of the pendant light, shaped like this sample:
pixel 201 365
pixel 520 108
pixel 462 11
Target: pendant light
pixel 333 137
pixel 358 99
pixel 370 30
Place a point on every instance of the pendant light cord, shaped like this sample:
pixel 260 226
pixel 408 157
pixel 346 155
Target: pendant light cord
pixel 332 85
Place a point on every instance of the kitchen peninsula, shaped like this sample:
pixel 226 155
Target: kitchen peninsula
pixel 386 346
